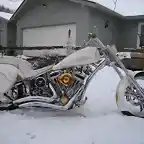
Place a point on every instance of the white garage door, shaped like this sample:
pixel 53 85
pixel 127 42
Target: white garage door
pixel 48 36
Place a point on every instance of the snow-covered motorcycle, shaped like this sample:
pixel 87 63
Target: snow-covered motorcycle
pixel 50 86
pixel 63 86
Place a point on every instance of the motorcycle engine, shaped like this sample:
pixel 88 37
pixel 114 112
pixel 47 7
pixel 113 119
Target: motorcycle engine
pixel 40 86
pixel 65 83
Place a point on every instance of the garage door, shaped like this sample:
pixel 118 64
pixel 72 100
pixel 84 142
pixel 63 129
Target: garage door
pixel 48 36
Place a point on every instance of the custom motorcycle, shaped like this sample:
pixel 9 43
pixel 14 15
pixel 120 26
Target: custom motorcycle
pixel 62 86
pixel 59 89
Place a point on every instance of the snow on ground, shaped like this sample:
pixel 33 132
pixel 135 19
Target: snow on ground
pixel 100 121
pixel 5 15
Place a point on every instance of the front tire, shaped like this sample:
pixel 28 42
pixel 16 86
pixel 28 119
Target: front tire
pixel 125 106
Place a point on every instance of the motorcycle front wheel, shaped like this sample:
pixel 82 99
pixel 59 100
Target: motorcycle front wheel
pixel 127 98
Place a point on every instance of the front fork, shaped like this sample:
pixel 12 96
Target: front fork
pixel 129 76
pixel 132 81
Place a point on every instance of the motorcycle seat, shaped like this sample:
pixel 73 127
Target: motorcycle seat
pixel 25 68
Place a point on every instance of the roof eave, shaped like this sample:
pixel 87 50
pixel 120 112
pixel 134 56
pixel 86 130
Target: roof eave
pixel 112 12
pixel 100 7
pixel 18 9
pixel 86 2
pixel 136 17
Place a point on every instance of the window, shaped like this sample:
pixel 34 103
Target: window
pixel 140 36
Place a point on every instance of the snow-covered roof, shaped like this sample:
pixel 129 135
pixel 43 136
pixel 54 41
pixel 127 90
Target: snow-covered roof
pixel 5 15
pixel 123 7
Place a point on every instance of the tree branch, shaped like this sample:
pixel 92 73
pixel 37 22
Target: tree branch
pixel 115 4
pixel 5 9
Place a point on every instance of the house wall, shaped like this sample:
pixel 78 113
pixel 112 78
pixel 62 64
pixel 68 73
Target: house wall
pixel 128 34
pixel 109 35
pixel 3 29
pixel 11 34
pixel 121 32
pixel 57 12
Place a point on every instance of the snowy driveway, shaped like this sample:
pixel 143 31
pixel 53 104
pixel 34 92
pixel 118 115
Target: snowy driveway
pixel 100 121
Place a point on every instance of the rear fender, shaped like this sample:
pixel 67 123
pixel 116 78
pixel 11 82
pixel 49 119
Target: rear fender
pixel 8 76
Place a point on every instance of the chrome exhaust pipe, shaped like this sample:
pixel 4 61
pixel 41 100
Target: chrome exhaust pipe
pixel 38 98
pixel 46 104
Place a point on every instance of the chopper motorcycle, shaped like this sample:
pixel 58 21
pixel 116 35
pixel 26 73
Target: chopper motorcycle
pixel 60 89
pixel 62 86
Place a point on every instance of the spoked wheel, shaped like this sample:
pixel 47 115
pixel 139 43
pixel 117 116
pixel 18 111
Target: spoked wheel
pixel 127 98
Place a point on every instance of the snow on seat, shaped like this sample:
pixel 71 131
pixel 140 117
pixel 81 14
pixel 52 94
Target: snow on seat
pixel 24 66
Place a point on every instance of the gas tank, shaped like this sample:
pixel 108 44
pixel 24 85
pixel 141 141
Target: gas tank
pixel 84 56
